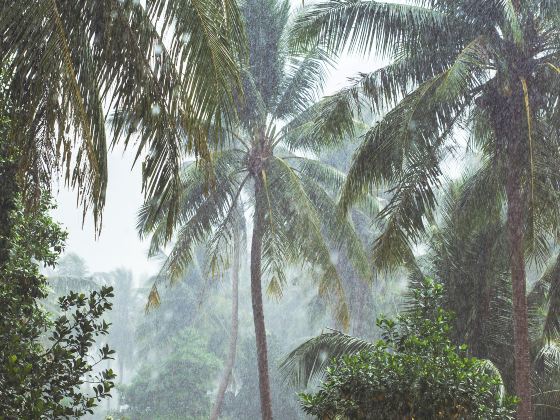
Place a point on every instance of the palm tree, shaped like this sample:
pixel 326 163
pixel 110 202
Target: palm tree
pixel 164 69
pixel 294 216
pixel 490 68
pixel 469 256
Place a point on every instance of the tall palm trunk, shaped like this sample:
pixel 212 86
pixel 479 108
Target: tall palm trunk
pixel 230 361
pixel 518 282
pixel 257 301
pixel 510 128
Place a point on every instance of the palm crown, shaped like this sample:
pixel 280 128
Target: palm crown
pixel 298 192
pixel 448 61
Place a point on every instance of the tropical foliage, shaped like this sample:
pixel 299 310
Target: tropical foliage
pixel 177 352
pixel 165 68
pixel 336 205
pixel 489 68
pixel 471 260
pixel 46 365
pixel 175 385
pixel 415 371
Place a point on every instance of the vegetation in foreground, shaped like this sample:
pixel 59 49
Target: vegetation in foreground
pixel 487 68
pixel 413 372
pixel 46 365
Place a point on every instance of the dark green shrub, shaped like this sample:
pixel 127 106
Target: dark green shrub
pixel 414 372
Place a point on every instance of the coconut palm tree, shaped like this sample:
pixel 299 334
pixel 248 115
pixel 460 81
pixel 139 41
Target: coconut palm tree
pixel 267 165
pixel 490 68
pixel 470 257
pixel 171 65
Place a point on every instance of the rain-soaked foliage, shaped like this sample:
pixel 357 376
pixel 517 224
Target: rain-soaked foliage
pixel 288 202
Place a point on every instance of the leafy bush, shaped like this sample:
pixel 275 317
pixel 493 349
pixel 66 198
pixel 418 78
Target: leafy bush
pixel 414 371
pixel 46 364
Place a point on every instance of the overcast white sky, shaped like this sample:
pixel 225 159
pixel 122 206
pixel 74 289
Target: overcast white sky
pixel 118 245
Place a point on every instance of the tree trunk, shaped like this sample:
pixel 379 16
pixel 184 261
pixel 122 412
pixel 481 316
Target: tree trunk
pixel 230 361
pixel 121 380
pixel 510 128
pixel 257 301
pixel 517 267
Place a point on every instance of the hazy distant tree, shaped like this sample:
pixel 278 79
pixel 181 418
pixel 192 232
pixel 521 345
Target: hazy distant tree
pixel 238 245
pixel 182 308
pixel 174 385
pixel 490 67
pixel 71 265
pixel 177 348
pixel 294 215
pixel 122 317
pixel 64 60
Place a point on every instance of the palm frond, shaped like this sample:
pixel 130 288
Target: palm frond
pixel 310 360
pixel 404 149
pixel 327 176
pixel 228 234
pixel 481 195
pixel 67 59
pixel 306 76
pixel 404 130
pixel 510 15
pixel 546 294
pixel 367 26
pixel 197 181
pixel 325 124
pixel 549 355
pixel 300 223
pixel 335 117
pixel 340 232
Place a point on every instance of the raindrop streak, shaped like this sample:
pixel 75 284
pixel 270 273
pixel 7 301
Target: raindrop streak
pixel 334 258
pixel 158 50
pixel 156 110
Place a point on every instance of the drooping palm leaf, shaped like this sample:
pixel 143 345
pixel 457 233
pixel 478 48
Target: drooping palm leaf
pixel 310 360
pixel 70 62
pixel 359 25
pixel 306 76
